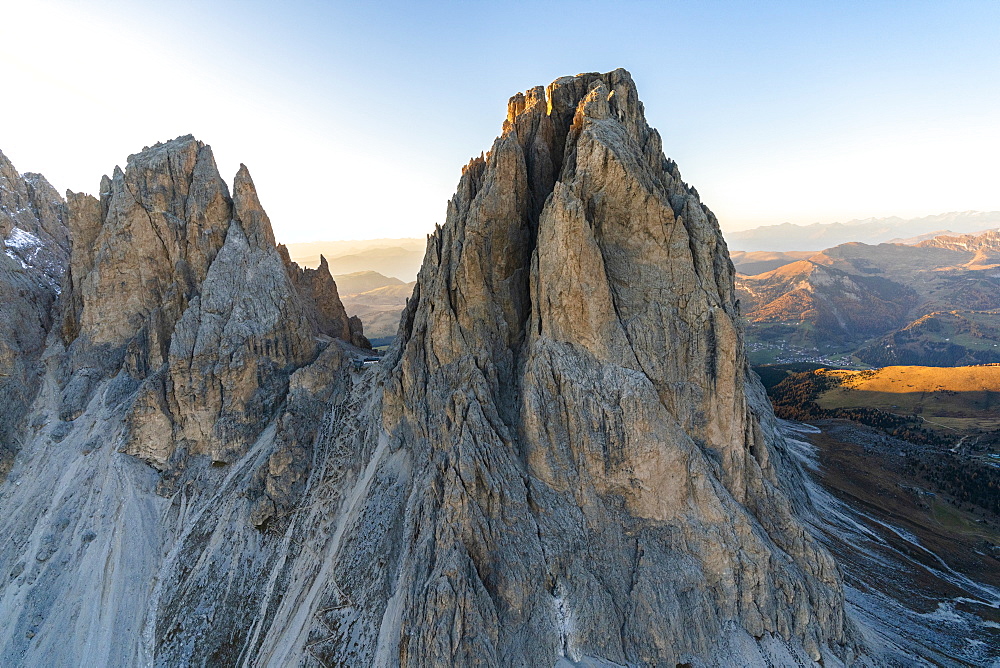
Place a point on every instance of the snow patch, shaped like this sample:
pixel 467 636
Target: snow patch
pixel 804 452
pixel 19 239
pixel 799 427
pixel 32 253
pixel 945 612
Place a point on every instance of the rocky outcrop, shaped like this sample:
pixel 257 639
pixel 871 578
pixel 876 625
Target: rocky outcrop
pixel 572 461
pixel 319 289
pixel 35 249
pixel 985 246
pixel 153 234
pixel 988 241
pixel 32 222
pixel 239 339
pixel 191 369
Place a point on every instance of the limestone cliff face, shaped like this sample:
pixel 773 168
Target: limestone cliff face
pixel 35 249
pixel 594 473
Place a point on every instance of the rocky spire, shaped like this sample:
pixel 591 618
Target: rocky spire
pixel 318 288
pixel 30 204
pixel 182 396
pixel 595 471
pixel 564 458
pixel 142 252
pixel 248 210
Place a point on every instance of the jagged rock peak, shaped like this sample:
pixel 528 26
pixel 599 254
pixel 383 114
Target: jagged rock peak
pixel 187 386
pixel 318 287
pixel 587 439
pixel 249 212
pixel 32 221
pixel 564 459
pixel 181 285
pixel 168 212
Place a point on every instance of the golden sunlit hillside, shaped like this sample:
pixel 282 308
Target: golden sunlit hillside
pixel 965 397
pixel 895 379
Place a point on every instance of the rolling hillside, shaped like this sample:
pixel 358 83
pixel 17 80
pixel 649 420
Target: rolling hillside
pixel 943 423
pixel 939 338
pixel 966 397
pixel 825 303
pixel 758 262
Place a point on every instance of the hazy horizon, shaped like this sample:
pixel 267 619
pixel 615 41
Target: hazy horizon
pixel 853 221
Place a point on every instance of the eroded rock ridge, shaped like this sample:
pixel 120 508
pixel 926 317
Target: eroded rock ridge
pixel 174 390
pixel 181 287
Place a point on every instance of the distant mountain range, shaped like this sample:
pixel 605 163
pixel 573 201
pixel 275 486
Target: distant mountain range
pixel 362 281
pixel 789 237
pixel 936 302
pixel 399 258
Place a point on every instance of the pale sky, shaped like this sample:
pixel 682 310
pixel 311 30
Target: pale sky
pixel 355 118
